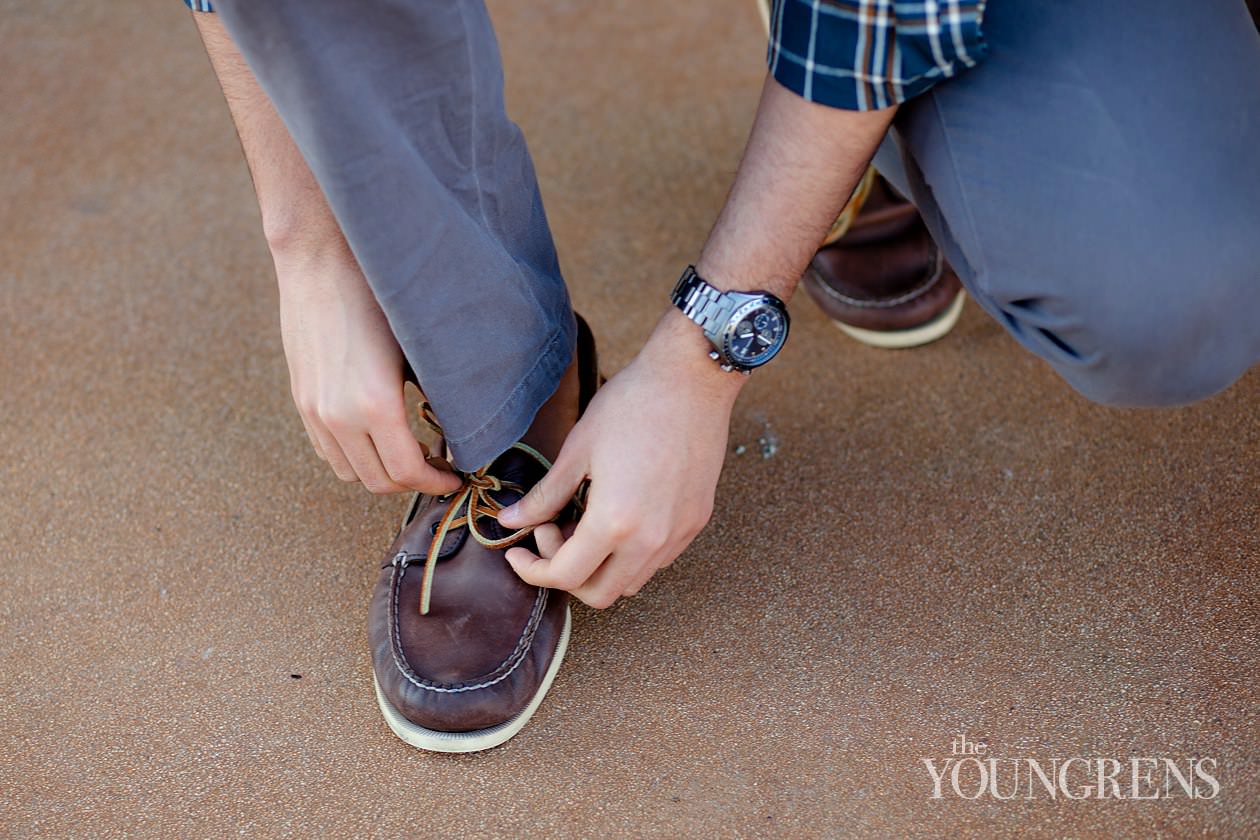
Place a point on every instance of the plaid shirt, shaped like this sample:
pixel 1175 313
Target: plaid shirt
pixel 867 54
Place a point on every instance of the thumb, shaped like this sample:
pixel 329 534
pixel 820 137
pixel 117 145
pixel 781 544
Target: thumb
pixel 548 497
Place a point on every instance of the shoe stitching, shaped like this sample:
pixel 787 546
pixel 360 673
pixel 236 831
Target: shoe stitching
pixel 515 658
pixel 885 303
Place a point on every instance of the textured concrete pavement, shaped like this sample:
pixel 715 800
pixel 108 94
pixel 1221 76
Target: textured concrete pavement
pixel 909 546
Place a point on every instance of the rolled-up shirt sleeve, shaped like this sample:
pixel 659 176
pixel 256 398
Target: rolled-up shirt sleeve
pixel 866 54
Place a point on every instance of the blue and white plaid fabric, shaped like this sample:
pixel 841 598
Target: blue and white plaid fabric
pixel 199 5
pixel 867 54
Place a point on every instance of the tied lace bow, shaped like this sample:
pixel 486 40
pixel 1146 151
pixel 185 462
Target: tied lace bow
pixel 470 503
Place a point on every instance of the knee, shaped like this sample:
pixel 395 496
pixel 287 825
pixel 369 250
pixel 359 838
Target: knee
pixel 1170 341
pixel 1161 373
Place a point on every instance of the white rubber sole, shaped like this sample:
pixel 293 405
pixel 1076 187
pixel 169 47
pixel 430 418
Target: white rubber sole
pixel 938 327
pixel 435 740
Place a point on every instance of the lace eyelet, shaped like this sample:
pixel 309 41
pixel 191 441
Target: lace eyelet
pixel 435 527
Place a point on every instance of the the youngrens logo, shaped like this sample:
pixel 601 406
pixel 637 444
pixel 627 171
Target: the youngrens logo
pixel 968 771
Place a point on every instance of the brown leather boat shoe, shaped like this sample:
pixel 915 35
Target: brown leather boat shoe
pixel 884 281
pixel 463 650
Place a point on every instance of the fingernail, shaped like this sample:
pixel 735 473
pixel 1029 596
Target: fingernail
pixel 509 512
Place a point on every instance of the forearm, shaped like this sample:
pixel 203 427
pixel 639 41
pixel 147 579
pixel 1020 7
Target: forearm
pixel 296 218
pixel 800 166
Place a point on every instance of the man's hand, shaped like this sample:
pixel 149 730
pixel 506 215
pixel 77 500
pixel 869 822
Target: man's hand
pixel 346 372
pixel 652 443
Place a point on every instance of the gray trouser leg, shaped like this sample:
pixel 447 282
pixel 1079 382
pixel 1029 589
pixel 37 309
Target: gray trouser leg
pixel 398 109
pixel 1096 182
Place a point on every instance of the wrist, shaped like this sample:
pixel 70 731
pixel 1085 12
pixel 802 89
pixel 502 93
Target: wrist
pixel 679 348
pixel 730 275
pixel 316 260
pixel 303 241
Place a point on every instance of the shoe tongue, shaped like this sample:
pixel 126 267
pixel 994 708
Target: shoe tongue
pixel 514 469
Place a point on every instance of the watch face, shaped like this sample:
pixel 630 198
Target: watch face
pixel 758 332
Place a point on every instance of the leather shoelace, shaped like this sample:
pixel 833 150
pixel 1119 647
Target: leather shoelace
pixel 471 502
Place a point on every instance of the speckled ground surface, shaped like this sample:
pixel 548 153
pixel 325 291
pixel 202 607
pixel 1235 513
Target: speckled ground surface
pixel 944 541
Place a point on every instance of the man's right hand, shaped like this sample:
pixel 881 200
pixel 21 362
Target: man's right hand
pixel 346 372
pixel 652 442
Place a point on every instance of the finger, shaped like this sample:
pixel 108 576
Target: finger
pixel 332 453
pixel 314 439
pixel 548 497
pixel 614 578
pixel 632 565
pixel 367 464
pixel 549 539
pixel 574 561
pixel 649 571
pixel 404 460
pixel 310 422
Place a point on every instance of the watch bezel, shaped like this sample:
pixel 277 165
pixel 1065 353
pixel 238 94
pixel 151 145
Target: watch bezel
pixel 741 311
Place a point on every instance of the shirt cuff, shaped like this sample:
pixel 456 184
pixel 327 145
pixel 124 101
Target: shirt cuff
pixel 861 55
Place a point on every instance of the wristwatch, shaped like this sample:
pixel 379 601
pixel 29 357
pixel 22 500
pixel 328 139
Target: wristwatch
pixel 746 329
